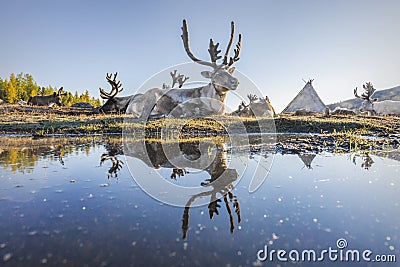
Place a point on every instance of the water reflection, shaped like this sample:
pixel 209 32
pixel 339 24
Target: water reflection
pixel 23 153
pixel 366 159
pixel 307 159
pixel 46 218
pixel 201 156
pixel 115 167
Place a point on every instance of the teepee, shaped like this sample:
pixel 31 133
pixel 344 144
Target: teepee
pixel 306 99
pixel 307 159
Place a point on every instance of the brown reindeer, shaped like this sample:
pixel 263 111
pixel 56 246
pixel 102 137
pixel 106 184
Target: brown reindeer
pixel 47 100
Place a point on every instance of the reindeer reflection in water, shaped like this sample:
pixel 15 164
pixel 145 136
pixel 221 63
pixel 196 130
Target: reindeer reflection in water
pixel 194 155
pixel 367 161
pixel 116 164
pixel 221 187
pixel 113 149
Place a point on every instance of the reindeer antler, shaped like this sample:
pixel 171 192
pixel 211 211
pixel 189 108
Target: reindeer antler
pixel 185 38
pixel 369 91
pixel 213 49
pixel 236 50
pixel 60 90
pixel 116 164
pixel 243 105
pixel 175 77
pixel 115 87
pixel 252 98
pixel 180 79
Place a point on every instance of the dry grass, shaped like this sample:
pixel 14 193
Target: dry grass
pixel 37 121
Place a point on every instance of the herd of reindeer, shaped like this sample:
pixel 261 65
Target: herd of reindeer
pixel 178 102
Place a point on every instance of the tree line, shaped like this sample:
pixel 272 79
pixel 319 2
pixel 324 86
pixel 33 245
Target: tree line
pixel 22 86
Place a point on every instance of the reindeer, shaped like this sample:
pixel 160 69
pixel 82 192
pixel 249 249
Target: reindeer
pixel 243 110
pixel 257 107
pixel 113 102
pixel 201 101
pixel 270 107
pixel 260 106
pixel 370 105
pixel 47 100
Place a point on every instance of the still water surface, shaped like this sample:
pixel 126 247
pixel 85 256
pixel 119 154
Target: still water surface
pixel 60 207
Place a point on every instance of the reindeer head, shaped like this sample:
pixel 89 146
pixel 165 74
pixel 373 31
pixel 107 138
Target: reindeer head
pixel 221 75
pixel 111 103
pixel 368 103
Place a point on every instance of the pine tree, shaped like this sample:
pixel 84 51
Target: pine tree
pixel 23 86
pixel 11 92
pixel 2 89
pixel 32 88
pixel 85 97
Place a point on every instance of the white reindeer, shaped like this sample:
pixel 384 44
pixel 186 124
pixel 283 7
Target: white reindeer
pixel 387 107
pixel 194 102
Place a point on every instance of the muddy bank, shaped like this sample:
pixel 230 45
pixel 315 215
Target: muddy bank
pixel 280 143
pixel 332 133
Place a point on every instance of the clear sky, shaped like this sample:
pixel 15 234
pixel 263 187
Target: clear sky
pixel 341 44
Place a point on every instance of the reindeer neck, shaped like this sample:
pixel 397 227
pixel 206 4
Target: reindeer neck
pixel 220 91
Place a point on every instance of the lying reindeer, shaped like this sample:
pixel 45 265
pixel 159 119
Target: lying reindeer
pixel 257 107
pixel 47 100
pixel 194 102
pixel 120 104
pixel 114 103
pixel 387 107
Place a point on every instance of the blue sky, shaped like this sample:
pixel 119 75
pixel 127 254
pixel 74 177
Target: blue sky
pixel 341 44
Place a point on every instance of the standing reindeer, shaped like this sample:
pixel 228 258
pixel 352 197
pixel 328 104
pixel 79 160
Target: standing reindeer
pixel 201 101
pixel 373 106
pixel 47 100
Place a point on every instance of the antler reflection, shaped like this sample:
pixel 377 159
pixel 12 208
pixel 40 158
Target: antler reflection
pixel 221 184
pixel 116 164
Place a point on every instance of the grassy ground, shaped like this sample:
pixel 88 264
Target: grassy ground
pixel 37 121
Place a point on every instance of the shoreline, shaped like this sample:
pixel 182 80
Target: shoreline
pixel 315 133
pixel 39 121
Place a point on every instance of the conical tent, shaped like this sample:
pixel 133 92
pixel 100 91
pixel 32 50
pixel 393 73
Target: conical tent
pixel 306 99
pixel 307 159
